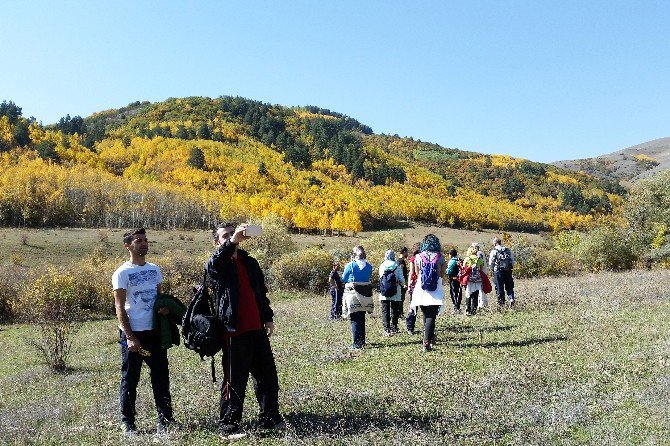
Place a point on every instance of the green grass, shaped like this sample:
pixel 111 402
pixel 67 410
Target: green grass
pixel 580 361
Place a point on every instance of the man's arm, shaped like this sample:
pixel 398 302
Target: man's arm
pixel 122 316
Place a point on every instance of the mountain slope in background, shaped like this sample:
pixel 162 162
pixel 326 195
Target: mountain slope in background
pixel 188 162
pixel 631 164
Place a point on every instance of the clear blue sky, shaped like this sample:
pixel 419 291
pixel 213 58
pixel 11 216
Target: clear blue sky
pixel 544 80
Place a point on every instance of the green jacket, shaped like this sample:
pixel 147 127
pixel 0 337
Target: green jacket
pixel 166 325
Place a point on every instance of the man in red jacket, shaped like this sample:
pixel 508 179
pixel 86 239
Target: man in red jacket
pixel 244 309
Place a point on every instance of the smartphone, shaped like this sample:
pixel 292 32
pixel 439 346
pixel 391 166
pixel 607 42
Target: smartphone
pixel 253 231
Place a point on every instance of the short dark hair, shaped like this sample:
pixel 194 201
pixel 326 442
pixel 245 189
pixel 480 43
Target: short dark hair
pixel 223 225
pixel 453 252
pixel 128 237
pixel 403 250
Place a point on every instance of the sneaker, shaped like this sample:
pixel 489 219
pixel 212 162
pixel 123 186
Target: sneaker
pixel 511 303
pixel 355 348
pixel 410 332
pixel 426 346
pixel 129 429
pixel 231 432
pixel 433 341
pixel 270 425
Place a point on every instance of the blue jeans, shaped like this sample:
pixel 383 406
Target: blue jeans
pixel 336 307
pixel 131 366
pixel 504 284
pixel 358 328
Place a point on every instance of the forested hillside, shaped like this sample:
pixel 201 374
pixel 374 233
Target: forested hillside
pixel 193 161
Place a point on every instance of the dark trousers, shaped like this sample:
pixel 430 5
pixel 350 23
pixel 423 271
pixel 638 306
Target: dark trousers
pixel 336 306
pixel 456 293
pixel 472 302
pixel 244 354
pixel 504 284
pixel 131 366
pixel 358 328
pixel 390 313
pixel 429 316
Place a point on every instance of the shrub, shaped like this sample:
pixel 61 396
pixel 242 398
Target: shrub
pixel 606 248
pixel 274 243
pixel 181 271
pixel 307 269
pixel 536 261
pixel 52 303
pixel 377 245
pixel 10 279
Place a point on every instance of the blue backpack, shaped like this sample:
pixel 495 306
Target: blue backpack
pixel 429 272
pixel 388 284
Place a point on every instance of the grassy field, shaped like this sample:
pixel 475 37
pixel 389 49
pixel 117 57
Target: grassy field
pixel 580 361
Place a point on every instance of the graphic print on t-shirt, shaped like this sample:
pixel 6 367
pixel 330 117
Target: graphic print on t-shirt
pixel 144 298
pixel 140 277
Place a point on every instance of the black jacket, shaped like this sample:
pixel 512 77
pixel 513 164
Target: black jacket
pixel 222 273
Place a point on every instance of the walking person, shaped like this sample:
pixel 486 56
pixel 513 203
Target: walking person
pixel 482 300
pixel 472 280
pixel 501 262
pixel 242 305
pixel 410 320
pixel 392 282
pixel 402 261
pixel 429 290
pixel 455 290
pixel 357 299
pixel 336 291
pixel 136 284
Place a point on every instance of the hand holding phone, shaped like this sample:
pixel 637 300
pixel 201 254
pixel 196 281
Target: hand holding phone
pixel 253 231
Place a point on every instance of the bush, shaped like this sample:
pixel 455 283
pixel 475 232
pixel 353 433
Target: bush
pixel 181 271
pixel 606 248
pixel 11 278
pixel 377 245
pixel 52 303
pixel 307 269
pixel 536 261
pixel 274 243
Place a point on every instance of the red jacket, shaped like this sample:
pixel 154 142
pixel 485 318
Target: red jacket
pixel 465 276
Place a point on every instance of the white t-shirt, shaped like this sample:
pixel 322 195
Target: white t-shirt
pixel 140 284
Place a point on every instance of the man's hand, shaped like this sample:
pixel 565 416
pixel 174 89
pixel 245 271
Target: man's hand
pixel 133 344
pixel 164 311
pixel 239 236
pixel 269 328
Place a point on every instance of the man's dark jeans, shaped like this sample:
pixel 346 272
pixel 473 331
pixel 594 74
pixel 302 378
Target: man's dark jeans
pixel 456 293
pixel 358 328
pixel 390 314
pixel 131 366
pixel 336 307
pixel 244 354
pixel 504 284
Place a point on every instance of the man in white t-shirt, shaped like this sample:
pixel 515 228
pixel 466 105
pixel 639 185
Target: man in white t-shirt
pixel 136 284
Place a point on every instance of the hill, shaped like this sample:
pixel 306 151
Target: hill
pixel 187 162
pixel 631 164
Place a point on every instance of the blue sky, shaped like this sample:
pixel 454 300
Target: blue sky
pixel 543 80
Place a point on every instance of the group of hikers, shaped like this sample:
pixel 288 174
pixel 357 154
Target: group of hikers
pixel 425 277
pixel 239 304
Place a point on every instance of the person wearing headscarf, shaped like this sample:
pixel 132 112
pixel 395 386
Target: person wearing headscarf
pixel 357 299
pixel 430 301
pixel 391 305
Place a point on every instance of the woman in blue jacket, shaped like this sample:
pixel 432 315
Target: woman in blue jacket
pixel 357 299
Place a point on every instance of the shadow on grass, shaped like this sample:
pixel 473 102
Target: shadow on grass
pixel 310 425
pixel 517 343
pixel 472 328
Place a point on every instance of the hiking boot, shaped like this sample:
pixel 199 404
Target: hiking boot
pixel 410 332
pixel 231 432
pixel 511 303
pixel 433 341
pixel 129 429
pixel 426 346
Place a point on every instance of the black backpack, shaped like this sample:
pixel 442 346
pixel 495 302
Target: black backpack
pixel 388 284
pixel 504 259
pixel 200 328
